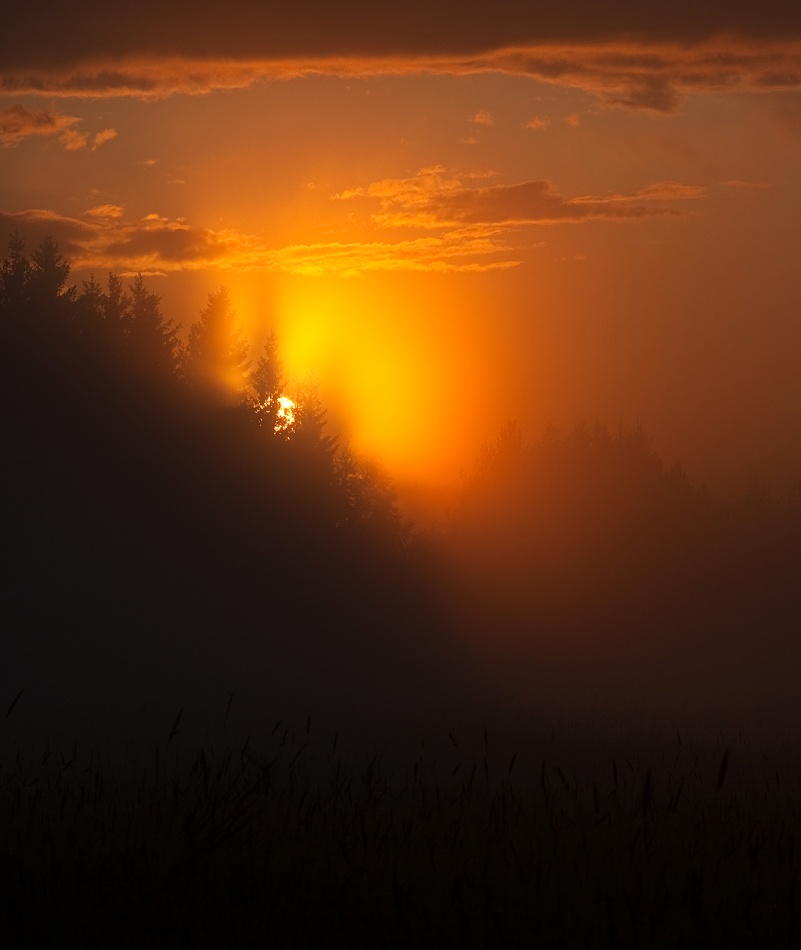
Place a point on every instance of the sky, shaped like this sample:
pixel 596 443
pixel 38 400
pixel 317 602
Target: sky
pixel 451 217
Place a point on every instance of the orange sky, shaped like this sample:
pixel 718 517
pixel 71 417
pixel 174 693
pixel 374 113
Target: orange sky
pixel 599 222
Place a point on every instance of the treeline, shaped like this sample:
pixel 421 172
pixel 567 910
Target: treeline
pixel 167 499
pixel 581 551
pixel 590 525
pixel 176 495
pixel 124 327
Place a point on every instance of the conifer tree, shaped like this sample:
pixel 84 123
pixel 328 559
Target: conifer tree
pixel 89 307
pixel 115 311
pixel 14 276
pixel 267 381
pixel 151 341
pixel 47 278
pixel 216 358
pixel 310 422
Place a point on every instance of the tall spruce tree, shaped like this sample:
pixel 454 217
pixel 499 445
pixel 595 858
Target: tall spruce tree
pixel 14 276
pixel 151 341
pixel 216 357
pixel 47 279
pixel 267 382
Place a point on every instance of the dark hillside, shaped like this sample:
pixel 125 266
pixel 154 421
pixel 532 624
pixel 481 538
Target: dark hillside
pixel 162 541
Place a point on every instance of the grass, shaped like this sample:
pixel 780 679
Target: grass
pixel 294 842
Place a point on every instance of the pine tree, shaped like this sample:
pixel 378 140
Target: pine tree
pixel 89 307
pixel 267 381
pixel 14 276
pixel 216 358
pixel 267 378
pixel 310 422
pixel 116 304
pixel 47 279
pixel 151 341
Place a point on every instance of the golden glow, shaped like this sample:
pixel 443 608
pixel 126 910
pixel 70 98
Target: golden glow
pixel 395 382
pixel 285 417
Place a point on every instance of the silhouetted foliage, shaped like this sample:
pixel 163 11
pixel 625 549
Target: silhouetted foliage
pixel 155 497
pixel 47 278
pixel 14 277
pixel 147 491
pixel 165 535
pixel 216 357
pixel 588 527
pixel 151 341
pixel 267 379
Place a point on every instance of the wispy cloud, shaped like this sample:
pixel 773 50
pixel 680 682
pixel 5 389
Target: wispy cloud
pixel 18 123
pixel 483 117
pixel 105 136
pixel 106 211
pixel 432 200
pixel 654 75
pixel 157 244
pixel 738 185
pixel 538 123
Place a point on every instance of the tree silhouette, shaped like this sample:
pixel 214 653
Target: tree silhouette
pixel 151 341
pixel 47 278
pixel 115 309
pixel 216 357
pixel 310 421
pixel 14 276
pixel 89 308
pixel 268 385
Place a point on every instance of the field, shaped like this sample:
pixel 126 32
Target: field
pixel 568 836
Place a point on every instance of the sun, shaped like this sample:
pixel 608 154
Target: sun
pixel 285 417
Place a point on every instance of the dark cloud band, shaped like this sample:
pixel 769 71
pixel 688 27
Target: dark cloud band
pixel 630 53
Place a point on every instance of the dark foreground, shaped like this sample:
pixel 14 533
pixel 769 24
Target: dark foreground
pixel 578 840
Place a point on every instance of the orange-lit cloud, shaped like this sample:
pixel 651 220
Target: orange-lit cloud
pixel 483 117
pixel 738 185
pixel 432 200
pixel 106 211
pixel 538 123
pixel 472 222
pixel 18 123
pixel 648 75
pixel 105 136
pixel 160 245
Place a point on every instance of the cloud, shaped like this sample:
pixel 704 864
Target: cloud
pixel 72 140
pixel 50 36
pixel 431 200
pixel 738 185
pixel 72 234
pixel 106 211
pixel 627 55
pixel 105 136
pixel 573 120
pixel 483 117
pixel 159 245
pixel 538 123
pixel 18 123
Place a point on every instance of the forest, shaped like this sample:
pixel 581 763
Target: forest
pixel 184 538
